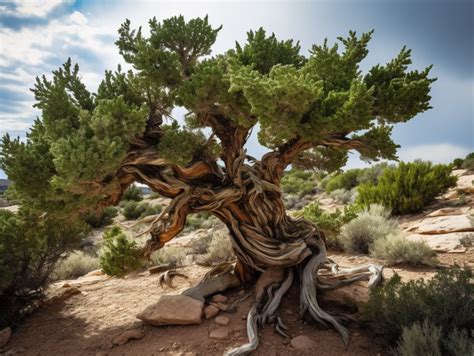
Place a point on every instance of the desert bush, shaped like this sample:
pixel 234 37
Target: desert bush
pixel 373 223
pixel 469 162
pixel 445 301
pixel 30 247
pixel 119 255
pixel 299 182
pixel 407 188
pixel 343 196
pixel 457 163
pixel 75 265
pixel 397 249
pixel 458 343
pixel 102 218
pixel 420 339
pixel 133 193
pixel 199 246
pixel 371 174
pixel 329 223
pixel 345 180
pixel 133 210
pixel 219 250
pixel 199 221
pixel 172 255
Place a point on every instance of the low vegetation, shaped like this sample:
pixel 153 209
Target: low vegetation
pixel 102 218
pixel 219 249
pixel 446 302
pixel 133 193
pixel 170 255
pixel 119 254
pixel 75 265
pixel 464 163
pixel 133 210
pixel 408 187
pixel 31 245
pixel 299 182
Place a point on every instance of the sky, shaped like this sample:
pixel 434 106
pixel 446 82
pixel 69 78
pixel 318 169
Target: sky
pixel 36 37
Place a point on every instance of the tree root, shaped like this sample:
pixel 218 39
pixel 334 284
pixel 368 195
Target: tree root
pixel 166 278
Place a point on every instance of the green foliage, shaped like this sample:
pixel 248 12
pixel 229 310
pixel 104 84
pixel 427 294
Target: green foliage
pixel 407 188
pixel 329 223
pixel 133 210
pixel 119 255
pixel 445 301
pixel 457 163
pixel 346 180
pixel 102 218
pixel 198 221
pixel 133 193
pixel 75 265
pixel 299 182
pixel 170 255
pixel 30 247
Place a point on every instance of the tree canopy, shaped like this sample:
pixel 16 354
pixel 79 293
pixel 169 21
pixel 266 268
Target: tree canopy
pixel 311 109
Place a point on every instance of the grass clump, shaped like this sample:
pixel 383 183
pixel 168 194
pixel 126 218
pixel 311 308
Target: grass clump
pixel 407 188
pixel 133 193
pixel 329 223
pixel 219 250
pixel 75 265
pixel 170 255
pixel 446 301
pixel 398 249
pixel 119 255
pixel 201 220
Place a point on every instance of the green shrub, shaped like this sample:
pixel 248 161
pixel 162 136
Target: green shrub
pixel 133 193
pixel 133 210
pixel 342 196
pixel 420 340
pixel 30 247
pixel 75 265
pixel 457 163
pixel 299 182
pixel 329 223
pixel 200 245
pixel 220 250
pixel 407 188
pixel 372 224
pixel 446 301
pixel 399 250
pixel 458 343
pixel 119 255
pixel 469 162
pixel 103 218
pixel 199 221
pixel 346 180
pixel 371 174
pixel 172 255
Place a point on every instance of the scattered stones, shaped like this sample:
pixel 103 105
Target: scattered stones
pixel 219 298
pixel 219 333
pixel 210 311
pixel 222 320
pixel 125 336
pixel 173 310
pixel 303 343
pixel 5 336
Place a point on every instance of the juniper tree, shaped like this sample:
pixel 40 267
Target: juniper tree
pixel 87 148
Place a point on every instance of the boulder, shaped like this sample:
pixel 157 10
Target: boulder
pixel 443 225
pixel 445 242
pixel 466 183
pixel 211 311
pixel 173 310
pixel 125 336
pixel 304 343
pixel 5 336
pixel 219 333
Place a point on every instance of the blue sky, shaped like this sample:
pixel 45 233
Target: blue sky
pixel 38 36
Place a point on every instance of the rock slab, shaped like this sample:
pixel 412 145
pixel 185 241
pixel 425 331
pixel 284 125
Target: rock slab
pixel 443 225
pixel 173 310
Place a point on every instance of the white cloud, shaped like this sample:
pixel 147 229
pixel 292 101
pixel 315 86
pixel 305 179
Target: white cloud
pixel 437 153
pixel 33 8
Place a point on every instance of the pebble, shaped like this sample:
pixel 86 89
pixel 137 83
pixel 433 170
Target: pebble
pixel 219 298
pixel 222 320
pixel 219 333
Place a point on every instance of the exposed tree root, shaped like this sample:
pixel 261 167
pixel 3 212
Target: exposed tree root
pixel 166 278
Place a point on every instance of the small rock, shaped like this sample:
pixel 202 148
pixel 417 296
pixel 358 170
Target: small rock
pixel 5 336
pixel 303 343
pixel 210 311
pixel 96 272
pixel 222 320
pixel 173 310
pixel 219 333
pixel 221 306
pixel 219 298
pixel 123 337
pixel 65 285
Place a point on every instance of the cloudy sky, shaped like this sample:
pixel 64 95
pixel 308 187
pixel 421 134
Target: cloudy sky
pixel 38 36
